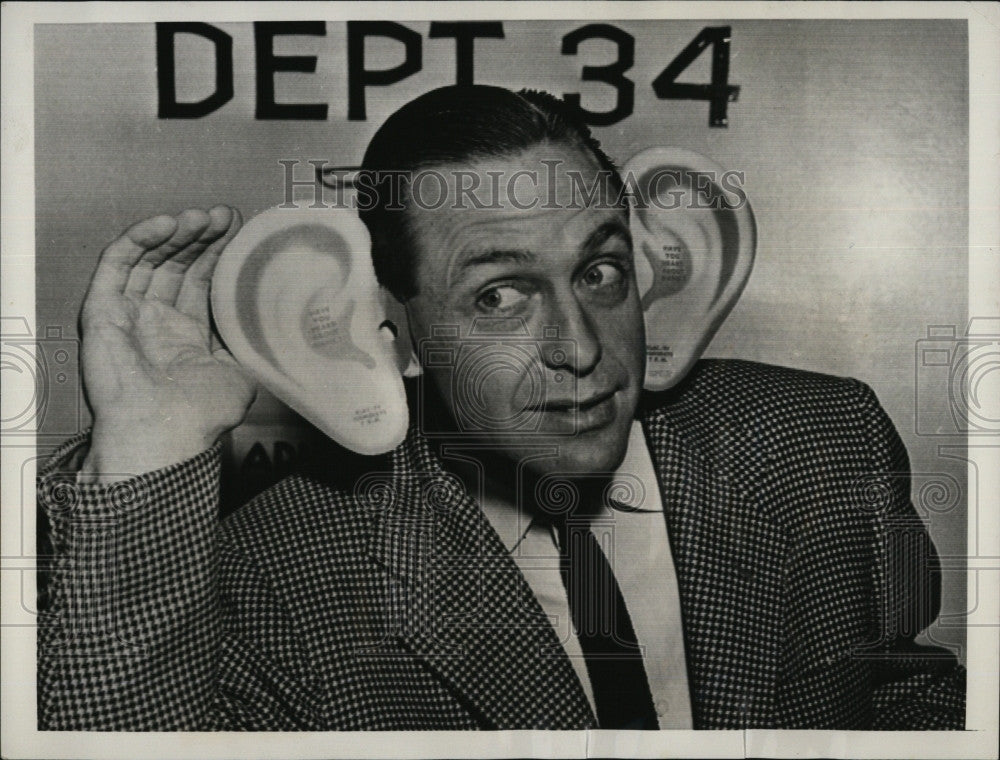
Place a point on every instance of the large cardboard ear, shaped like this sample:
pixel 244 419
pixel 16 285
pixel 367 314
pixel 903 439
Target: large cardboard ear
pixel 295 299
pixel 694 237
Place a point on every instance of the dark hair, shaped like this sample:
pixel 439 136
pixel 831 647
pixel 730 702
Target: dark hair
pixel 454 124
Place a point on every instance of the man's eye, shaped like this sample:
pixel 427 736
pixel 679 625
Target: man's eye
pixel 501 298
pixel 603 275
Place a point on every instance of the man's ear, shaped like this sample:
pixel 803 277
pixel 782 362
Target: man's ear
pixel 694 237
pixel 295 298
pixel 398 321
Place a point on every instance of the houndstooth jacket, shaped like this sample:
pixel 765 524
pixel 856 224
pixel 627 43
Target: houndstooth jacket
pixel 391 603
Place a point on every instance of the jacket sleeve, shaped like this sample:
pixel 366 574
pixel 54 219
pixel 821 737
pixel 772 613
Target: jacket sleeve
pixel 140 625
pixel 914 687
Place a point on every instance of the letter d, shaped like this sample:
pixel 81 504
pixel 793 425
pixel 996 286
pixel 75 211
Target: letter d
pixel 166 82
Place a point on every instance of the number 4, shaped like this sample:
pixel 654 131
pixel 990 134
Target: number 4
pixel 719 93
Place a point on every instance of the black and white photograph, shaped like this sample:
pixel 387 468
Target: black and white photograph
pixel 501 379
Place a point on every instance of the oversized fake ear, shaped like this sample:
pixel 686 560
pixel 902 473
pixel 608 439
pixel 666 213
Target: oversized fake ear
pixel 295 299
pixel 694 237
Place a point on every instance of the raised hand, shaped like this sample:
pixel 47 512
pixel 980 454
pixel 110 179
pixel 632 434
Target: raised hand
pixel 159 384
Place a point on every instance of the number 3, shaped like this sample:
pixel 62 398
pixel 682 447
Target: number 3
pixel 613 73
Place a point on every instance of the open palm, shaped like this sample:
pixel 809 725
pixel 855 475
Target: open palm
pixel 151 364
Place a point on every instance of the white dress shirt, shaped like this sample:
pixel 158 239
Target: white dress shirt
pixel 638 549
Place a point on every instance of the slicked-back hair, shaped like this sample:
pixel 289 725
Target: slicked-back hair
pixel 449 125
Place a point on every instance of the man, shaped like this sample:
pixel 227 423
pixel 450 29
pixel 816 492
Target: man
pixel 433 588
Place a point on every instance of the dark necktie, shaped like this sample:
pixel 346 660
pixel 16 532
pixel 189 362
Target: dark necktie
pixel 610 649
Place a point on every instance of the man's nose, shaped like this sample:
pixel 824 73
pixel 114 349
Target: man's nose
pixel 571 343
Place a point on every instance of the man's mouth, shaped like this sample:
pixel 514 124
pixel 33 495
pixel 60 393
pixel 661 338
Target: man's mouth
pixel 576 405
pixel 577 415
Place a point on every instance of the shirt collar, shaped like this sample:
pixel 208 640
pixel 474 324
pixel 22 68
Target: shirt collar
pixel 633 477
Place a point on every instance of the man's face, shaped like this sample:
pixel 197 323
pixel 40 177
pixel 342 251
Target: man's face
pixel 550 344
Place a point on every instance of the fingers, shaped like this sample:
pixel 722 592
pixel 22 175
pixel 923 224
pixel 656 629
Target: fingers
pixel 203 231
pixel 158 250
pixel 190 226
pixel 193 297
pixel 120 257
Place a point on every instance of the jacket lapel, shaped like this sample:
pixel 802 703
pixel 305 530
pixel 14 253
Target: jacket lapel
pixel 714 527
pixel 465 608
pixel 685 481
